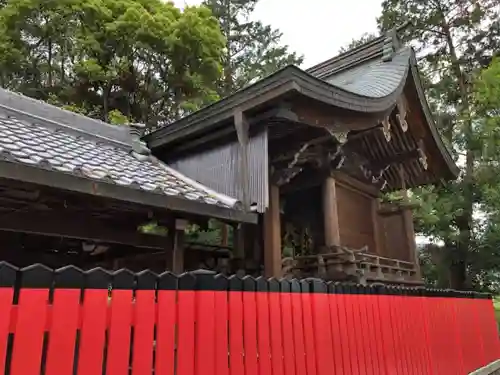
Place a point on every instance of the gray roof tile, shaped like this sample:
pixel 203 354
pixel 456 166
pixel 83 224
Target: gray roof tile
pixel 374 78
pixel 56 148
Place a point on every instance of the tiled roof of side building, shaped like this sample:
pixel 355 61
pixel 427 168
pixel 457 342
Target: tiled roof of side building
pixel 37 134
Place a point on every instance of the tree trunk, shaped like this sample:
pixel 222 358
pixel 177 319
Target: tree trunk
pixel 49 63
pixel 105 102
pixel 458 276
pixel 228 68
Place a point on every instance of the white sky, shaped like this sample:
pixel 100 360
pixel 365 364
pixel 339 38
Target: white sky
pixel 316 29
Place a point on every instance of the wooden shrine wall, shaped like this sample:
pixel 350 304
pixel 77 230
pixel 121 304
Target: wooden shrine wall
pixel 356 223
pixel 395 240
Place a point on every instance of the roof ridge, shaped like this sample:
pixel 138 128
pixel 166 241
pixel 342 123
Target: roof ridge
pixel 24 107
pixel 345 54
pixel 383 46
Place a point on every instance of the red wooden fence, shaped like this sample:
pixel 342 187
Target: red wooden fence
pixel 64 322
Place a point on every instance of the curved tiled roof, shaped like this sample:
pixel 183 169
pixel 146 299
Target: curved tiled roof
pixel 83 147
pixel 375 78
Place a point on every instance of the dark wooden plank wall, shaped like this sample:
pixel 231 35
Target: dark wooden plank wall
pixel 395 240
pixel 358 227
pixel 355 219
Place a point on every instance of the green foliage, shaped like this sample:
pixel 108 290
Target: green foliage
pixel 153 228
pixel 211 235
pixel 252 50
pixel 454 40
pixel 117 60
pixel 365 38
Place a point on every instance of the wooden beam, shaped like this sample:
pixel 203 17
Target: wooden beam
pixel 238 242
pixel 272 234
pixel 409 227
pixel 330 213
pixel 354 183
pixel 73 225
pixel 377 228
pixel 175 247
pixel 105 190
pixel 280 112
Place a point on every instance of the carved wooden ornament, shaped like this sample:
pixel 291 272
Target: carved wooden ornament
pixel 386 129
pixel 422 158
pixel 341 137
pixel 402 122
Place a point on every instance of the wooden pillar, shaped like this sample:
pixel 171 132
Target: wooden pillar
pixel 409 228
pixel 377 229
pixel 223 234
pixel 239 241
pixel 410 236
pixel 272 234
pixel 175 247
pixel 330 213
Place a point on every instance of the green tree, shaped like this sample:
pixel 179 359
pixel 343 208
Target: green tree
pixel 142 60
pixel 356 42
pixel 453 39
pixel 253 50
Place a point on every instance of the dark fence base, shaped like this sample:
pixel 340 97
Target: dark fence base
pixel 69 322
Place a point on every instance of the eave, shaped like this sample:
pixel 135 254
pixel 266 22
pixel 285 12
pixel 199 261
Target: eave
pixel 376 103
pixel 67 182
pixel 287 81
pixel 451 168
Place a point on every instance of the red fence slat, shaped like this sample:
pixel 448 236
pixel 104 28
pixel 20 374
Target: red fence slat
pixel 118 358
pixel 490 332
pixel 92 334
pixel 322 333
pixel 186 316
pixel 365 332
pixel 356 359
pixel 63 330
pixel 250 326
pixel 309 344
pixel 349 359
pixel 335 333
pixel 201 324
pixel 411 338
pixel 386 334
pixel 298 329
pixel 357 337
pixel 29 332
pixel 419 326
pixel 287 325
pixel 6 295
pixel 205 332
pixel 375 336
pixel 144 324
pixel 165 329
pixel 221 327
pixel 275 321
pixel 263 328
pixel 236 344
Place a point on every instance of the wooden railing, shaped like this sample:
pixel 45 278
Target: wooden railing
pixel 341 263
